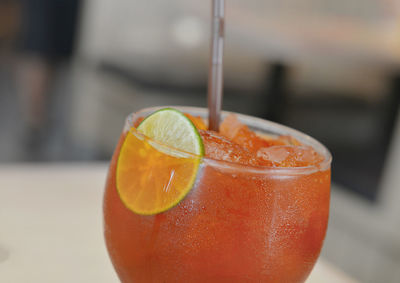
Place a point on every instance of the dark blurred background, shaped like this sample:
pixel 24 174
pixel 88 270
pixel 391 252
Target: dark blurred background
pixel 70 72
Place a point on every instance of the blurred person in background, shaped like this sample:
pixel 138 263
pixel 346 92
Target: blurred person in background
pixel 46 43
pixel 9 23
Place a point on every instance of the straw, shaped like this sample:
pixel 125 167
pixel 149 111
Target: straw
pixel 215 79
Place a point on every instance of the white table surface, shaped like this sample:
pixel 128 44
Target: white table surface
pixel 51 226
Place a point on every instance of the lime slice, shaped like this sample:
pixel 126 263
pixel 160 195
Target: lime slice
pixel 153 172
pixel 172 128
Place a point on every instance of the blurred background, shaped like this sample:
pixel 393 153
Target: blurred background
pixel 71 71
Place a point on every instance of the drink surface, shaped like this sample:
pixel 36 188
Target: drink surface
pixel 239 223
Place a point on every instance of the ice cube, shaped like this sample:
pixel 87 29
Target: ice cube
pixel 220 148
pixel 234 130
pixel 289 156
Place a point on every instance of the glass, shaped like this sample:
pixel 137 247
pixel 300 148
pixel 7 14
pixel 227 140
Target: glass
pixel 237 224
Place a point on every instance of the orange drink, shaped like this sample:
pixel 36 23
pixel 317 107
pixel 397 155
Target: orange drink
pixel 253 208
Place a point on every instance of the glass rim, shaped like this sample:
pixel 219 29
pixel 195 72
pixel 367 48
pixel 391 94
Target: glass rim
pixel 228 165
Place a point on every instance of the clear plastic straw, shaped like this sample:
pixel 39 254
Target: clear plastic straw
pixel 215 79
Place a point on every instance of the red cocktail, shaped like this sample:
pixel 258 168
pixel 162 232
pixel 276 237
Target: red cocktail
pixel 257 215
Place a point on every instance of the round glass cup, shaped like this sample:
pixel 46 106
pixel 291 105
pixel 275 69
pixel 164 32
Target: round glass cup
pixel 238 223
